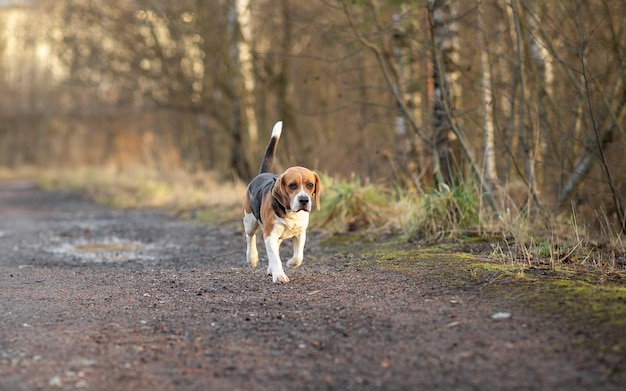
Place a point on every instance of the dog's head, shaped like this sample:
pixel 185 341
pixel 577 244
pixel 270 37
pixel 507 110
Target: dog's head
pixel 296 188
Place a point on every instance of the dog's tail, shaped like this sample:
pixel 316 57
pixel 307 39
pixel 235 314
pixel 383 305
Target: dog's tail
pixel 268 160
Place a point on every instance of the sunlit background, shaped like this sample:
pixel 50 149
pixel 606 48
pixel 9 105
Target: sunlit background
pixel 527 98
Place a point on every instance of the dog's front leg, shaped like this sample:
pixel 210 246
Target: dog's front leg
pixel 298 250
pixel 272 245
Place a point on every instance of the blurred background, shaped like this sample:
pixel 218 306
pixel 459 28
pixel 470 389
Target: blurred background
pixel 524 98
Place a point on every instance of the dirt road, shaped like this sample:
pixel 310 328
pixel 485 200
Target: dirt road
pixel 100 299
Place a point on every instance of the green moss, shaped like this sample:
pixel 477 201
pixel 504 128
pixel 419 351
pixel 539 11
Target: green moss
pixel 339 240
pixel 584 304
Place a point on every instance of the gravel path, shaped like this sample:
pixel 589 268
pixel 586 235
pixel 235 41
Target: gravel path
pixel 101 299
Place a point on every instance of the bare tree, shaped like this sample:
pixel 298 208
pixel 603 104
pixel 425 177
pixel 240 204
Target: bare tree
pixel 445 51
pixel 600 138
pixel 239 158
pixel 490 172
pixel 404 117
pixel 526 137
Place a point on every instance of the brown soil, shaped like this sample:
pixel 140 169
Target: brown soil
pixel 101 299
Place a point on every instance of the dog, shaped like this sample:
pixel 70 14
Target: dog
pixel 280 205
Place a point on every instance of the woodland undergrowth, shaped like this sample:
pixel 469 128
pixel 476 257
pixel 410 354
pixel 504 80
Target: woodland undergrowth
pixel 455 214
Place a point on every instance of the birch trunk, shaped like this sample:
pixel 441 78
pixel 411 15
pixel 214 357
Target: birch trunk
pixel 490 173
pixel 542 88
pixel 246 67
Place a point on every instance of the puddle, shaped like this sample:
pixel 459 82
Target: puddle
pixel 105 247
pixel 107 250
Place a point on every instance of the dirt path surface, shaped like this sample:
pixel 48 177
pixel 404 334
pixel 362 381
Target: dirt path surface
pixel 101 299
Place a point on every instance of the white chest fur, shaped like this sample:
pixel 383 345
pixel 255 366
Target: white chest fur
pixel 291 225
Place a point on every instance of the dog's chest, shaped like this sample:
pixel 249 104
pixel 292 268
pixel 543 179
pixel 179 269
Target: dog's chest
pixel 293 224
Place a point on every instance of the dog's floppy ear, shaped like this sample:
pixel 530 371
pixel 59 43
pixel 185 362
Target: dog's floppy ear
pixel 280 192
pixel 318 191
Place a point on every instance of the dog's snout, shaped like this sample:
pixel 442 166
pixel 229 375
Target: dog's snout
pixel 303 200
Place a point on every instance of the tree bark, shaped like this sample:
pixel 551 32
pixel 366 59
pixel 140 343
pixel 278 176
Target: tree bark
pixel 445 85
pixel 525 135
pixel 240 152
pixel 246 67
pixel 490 173
pixel 283 80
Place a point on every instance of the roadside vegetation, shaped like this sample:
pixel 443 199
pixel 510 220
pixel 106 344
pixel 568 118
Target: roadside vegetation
pixel 357 208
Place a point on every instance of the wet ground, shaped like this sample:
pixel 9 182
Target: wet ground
pixel 101 299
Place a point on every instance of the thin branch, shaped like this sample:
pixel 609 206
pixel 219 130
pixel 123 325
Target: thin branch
pixel 581 54
pixel 455 128
pixel 385 68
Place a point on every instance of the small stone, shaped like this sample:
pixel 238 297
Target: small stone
pixel 56 382
pixel 501 315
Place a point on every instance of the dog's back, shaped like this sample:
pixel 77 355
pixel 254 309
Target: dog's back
pixel 264 182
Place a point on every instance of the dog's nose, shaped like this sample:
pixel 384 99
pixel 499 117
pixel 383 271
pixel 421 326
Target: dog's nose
pixel 303 201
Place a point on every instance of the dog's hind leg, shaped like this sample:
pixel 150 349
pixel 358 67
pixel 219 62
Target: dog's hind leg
pixel 250 226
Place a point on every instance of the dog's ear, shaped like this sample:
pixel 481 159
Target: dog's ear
pixel 280 192
pixel 318 191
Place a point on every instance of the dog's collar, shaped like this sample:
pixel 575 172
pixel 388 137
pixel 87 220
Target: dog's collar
pixel 279 208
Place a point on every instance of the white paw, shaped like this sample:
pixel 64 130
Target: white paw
pixel 280 278
pixel 294 263
pixel 254 261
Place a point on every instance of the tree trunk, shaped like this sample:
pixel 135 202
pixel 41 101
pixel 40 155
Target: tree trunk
pixel 240 152
pixel 283 81
pixel 246 67
pixel 445 85
pixel 490 173
pixel 525 135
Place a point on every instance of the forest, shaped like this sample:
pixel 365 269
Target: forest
pixel 525 100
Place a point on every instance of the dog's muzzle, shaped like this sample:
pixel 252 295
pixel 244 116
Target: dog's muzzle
pixel 301 202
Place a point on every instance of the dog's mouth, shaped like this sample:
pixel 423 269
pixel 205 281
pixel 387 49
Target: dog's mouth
pixel 301 203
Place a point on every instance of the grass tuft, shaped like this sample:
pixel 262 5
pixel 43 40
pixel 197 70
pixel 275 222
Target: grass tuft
pixel 443 213
pixel 352 205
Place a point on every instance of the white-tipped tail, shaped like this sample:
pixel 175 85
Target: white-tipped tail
pixel 278 129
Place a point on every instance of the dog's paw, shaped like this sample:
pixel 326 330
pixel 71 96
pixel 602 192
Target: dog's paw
pixel 280 278
pixel 253 262
pixel 294 263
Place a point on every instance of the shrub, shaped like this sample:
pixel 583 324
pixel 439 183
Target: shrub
pixel 351 205
pixel 444 212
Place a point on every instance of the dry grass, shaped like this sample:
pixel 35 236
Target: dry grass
pixel 541 240
pixel 138 187
pixel 352 205
pixel 544 240
pixel 17 174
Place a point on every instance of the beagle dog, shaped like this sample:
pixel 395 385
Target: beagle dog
pixel 280 205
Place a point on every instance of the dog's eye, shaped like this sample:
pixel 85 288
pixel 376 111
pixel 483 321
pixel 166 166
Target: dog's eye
pixel 310 185
pixel 292 186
